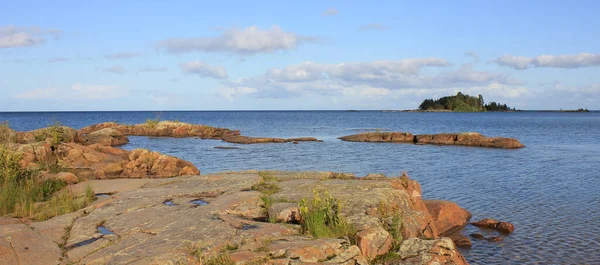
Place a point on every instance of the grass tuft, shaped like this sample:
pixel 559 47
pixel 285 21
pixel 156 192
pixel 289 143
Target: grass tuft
pixel 321 217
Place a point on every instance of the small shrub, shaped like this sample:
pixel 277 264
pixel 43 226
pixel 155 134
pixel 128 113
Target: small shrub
pixel 267 177
pixel 266 188
pixel 321 217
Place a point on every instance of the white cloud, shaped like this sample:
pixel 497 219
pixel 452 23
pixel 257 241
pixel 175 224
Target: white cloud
pixel 122 55
pixel 246 41
pixel 591 89
pixel 13 37
pixel 115 69
pixel 330 12
pixel 204 70
pixel 372 27
pixel 556 61
pixel 368 79
pixel 232 92
pixel 77 92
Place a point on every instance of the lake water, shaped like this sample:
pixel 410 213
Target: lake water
pixel 550 189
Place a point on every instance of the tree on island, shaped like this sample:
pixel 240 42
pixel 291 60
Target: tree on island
pixel 462 103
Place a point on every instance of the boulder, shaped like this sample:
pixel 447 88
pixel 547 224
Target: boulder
pixel 144 163
pixel 373 241
pixel 421 251
pixel 448 216
pixel 106 136
pixel 284 212
pixel 67 177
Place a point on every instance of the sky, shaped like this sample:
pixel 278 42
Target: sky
pixel 296 55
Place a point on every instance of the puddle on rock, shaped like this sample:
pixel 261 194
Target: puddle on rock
pixel 198 202
pixel 103 195
pixel 169 203
pixel 248 227
pixel 85 242
pixel 105 231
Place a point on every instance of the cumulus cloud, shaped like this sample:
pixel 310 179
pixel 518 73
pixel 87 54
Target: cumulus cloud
pixel 77 91
pixel 121 55
pixel 330 12
pixel 149 68
pixel 591 89
pixel 115 69
pixel 372 27
pixel 246 41
pixel 13 37
pixel 58 59
pixel 204 70
pixel 372 79
pixel 556 61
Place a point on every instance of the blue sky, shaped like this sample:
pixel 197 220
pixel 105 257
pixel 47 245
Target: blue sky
pixel 253 55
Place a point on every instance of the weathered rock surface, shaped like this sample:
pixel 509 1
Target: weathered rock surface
pixel 448 216
pixel 181 129
pixel 141 228
pixel 421 251
pixel 503 227
pixel 54 133
pixel 465 139
pixel 106 136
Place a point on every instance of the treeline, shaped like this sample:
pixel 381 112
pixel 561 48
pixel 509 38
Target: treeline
pixel 462 103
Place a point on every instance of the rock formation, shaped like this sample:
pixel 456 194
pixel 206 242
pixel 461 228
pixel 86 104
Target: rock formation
pixel 181 129
pixel 465 139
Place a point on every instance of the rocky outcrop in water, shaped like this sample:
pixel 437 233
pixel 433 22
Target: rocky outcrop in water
pixel 503 227
pixel 135 224
pixel 464 139
pixel 55 152
pixel 181 129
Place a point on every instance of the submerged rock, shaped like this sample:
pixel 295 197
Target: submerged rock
pixel 465 139
pixel 504 227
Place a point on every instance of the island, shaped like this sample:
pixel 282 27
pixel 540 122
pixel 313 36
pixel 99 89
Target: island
pixel 462 103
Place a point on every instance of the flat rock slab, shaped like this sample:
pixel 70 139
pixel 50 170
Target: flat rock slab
pixel 154 221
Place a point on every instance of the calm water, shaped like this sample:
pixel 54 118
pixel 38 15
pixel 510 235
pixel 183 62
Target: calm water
pixel 550 190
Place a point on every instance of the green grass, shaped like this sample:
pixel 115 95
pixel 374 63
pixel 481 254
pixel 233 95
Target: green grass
pixel 24 194
pixel 321 217
pixel 220 259
pixel 391 219
pixel 152 122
